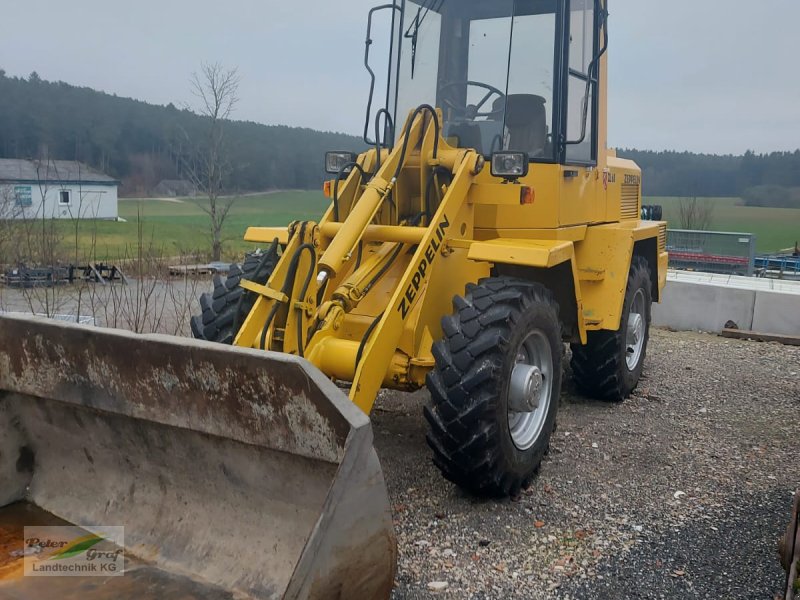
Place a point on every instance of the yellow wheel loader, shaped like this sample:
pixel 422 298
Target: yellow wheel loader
pixel 463 249
pixel 486 226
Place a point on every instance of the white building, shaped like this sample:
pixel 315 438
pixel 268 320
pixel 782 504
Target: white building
pixel 56 189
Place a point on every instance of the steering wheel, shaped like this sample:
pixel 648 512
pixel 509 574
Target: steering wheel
pixel 472 111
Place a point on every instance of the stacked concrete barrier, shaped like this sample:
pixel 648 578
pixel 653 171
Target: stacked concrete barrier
pixel 708 302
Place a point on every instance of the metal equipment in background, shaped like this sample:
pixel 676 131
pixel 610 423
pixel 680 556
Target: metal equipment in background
pixel 727 253
pixel 712 251
pixel 778 266
pixel 32 277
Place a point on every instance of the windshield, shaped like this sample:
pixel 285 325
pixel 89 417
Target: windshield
pixel 489 66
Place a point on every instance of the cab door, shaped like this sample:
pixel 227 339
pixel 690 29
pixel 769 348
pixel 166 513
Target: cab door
pixel 583 197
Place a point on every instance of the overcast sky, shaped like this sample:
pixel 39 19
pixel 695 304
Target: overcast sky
pixel 717 76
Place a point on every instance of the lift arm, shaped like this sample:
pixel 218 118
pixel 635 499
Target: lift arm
pixel 381 346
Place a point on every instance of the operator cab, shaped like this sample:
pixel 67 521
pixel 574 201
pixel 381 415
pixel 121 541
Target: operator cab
pixel 509 75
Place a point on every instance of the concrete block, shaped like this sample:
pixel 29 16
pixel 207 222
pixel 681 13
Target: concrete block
pixel 778 313
pixel 701 307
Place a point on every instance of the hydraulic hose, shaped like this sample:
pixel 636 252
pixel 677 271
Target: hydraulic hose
pixel 288 284
pixel 429 187
pixel 407 136
pixel 342 246
pixel 311 271
pixel 385 269
pixel 379 143
pixel 360 254
pixel 366 337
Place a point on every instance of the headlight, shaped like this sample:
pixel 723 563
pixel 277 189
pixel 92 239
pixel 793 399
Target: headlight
pixel 335 161
pixel 510 165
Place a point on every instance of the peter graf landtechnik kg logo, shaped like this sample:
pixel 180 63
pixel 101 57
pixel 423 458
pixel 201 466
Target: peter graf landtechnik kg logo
pixel 51 551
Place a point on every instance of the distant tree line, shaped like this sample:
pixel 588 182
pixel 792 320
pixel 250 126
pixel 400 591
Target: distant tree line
pixel 760 179
pixel 142 144
pixel 772 196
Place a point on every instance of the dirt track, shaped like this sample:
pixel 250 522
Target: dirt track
pixel 680 492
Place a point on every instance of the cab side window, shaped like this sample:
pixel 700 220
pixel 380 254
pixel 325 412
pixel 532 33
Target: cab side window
pixel 580 140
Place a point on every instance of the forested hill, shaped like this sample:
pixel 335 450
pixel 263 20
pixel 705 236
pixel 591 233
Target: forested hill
pixel 687 174
pixel 141 144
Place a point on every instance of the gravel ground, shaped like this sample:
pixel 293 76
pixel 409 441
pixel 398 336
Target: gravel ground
pixel 680 492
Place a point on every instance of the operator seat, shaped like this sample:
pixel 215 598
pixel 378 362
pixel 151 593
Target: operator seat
pixel 466 135
pixel 526 122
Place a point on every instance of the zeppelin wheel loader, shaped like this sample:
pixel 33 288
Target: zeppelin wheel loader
pixel 485 226
pixel 462 250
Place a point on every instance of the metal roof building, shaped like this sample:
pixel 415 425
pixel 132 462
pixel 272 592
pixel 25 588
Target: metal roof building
pixel 56 189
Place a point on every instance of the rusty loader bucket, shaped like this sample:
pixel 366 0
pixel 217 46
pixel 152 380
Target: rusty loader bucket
pixel 235 473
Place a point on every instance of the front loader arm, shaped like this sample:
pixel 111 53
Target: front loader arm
pixel 304 315
pixel 410 288
pixel 340 250
pixel 285 309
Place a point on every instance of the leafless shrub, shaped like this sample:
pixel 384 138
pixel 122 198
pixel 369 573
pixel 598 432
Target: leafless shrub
pixel 6 223
pixel 150 301
pixel 696 214
pixel 6 233
pixel 39 242
pixel 40 239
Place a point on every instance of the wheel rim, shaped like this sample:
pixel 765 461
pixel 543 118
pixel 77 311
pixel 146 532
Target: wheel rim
pixel 636 329
pixel 530 388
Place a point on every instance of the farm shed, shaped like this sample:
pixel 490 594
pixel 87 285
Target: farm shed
pixel 55 189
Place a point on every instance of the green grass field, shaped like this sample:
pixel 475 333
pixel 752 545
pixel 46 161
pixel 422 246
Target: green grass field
pixel 181 228
pixel 775 228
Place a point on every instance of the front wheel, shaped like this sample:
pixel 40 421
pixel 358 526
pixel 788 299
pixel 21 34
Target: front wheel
pixel 495 387
pixel 609 366
pixel 226 307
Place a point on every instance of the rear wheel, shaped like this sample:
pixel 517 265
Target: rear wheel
pixel 225 309
pixel 609 366
pixel 495 387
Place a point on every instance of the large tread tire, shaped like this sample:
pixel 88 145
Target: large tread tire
pixel 600 369
pixel 226 307
pixel 468 415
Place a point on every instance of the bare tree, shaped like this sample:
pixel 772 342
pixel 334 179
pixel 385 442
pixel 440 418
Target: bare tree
pixel 209 166
pixel 696 214
pixel 150 301
pixel 6 235
pixel 86 213
pixel 6 221
pixel 40 241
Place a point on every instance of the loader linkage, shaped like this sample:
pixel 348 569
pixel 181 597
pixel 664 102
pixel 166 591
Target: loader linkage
pixel 329 269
